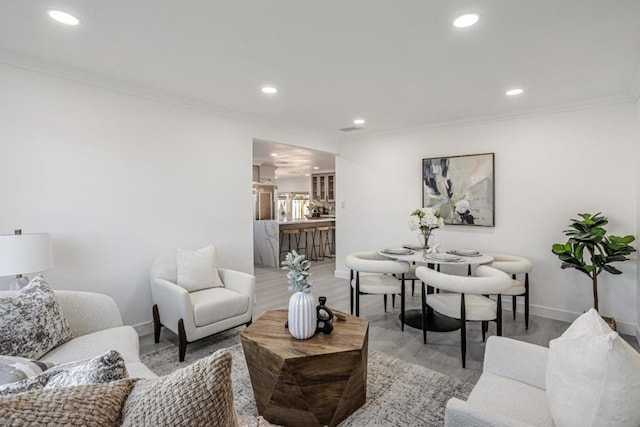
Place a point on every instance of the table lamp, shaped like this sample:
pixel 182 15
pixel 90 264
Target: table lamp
pixel 24 253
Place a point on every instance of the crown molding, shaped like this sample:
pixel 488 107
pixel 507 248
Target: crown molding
pixel 472 121
pixel 88 78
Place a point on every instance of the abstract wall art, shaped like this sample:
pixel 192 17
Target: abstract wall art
pixel 461 187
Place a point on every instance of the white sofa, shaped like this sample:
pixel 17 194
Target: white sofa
pixel 510 391
pixel 97 327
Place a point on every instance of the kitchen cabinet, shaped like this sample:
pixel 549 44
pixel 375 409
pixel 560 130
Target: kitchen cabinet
pixel 323 187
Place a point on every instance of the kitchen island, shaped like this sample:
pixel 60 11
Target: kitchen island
pixel 266 237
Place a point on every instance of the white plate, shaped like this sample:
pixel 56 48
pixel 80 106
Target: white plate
pixel 401 251
pixel 443 257
pixel 464 252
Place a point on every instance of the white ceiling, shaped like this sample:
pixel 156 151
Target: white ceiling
pixel 399 64
pixel 291 162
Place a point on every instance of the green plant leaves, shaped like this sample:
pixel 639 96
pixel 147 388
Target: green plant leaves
pixel 589 249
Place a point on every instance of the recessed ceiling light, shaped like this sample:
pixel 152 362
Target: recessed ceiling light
pixel 269 90
pixel 307 174
pixel 359 122
pixel 274 154
pixel 514 92
pixel 316 168
pixel 63 17
pixel 466 20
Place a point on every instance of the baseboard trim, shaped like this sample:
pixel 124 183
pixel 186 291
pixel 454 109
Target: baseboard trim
pixel 144 328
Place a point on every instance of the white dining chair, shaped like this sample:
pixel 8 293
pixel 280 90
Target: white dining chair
pixel 465 300
pixel 377 280
pixel 514 265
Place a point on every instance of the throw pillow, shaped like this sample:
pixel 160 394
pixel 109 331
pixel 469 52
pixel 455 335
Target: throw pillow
pixel 33 322
pixel 592 376
pixel 104 368
pixel 196 268
pixel 87 405
pixel 200 394
pixel 14 369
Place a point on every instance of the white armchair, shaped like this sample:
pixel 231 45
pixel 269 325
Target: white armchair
pixel 511 390
pixel 198 314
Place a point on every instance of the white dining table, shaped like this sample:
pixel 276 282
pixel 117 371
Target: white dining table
pixel 435 321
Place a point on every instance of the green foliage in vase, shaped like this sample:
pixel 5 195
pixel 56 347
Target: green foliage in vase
pixel 590 250
pixel 298 268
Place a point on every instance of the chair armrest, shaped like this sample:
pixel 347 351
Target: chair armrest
pixel 518 360
pixel 88 312
pixel 238 281
pixel 173 304
pixel 459 413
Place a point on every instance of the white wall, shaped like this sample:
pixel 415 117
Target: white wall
pixel 548 168
pixel 118 179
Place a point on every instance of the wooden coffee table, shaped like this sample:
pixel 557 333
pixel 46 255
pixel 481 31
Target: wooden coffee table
pixel 314 382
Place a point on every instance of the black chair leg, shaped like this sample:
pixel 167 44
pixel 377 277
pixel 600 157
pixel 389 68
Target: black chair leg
pixel 156 324
pixel 402 296
pixel 351 292
pixel 393 300
pixel 513 300
pixel 413 287
pixel 182 341
pixel 463 330
pixel 357 294
pixel 485 328
pixel 526 301
pixel 424 314
pixel 499 316
pixel 385 302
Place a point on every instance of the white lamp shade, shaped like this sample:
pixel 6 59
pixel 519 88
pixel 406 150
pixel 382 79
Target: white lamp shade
pixel 25 253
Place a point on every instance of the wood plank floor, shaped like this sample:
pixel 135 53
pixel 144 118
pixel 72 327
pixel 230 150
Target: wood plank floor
pixel 442 353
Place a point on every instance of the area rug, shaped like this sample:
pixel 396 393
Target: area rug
pixel 398 393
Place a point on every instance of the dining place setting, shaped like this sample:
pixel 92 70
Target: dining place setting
pixel 417 254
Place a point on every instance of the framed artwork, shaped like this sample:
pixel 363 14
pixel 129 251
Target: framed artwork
pixel 461 187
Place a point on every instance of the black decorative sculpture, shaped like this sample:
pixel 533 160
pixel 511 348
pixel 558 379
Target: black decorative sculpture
pixel 325 317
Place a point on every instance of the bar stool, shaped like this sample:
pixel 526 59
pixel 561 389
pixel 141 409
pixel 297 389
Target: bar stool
pixel 295 232
pixel 324 243
pixel 333 240
pixel 305 233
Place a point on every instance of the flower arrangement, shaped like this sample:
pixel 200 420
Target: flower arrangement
pixel 298 268
pixel 425 219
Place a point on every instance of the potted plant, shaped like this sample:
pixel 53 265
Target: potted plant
pixel 591 251
pixel 302 318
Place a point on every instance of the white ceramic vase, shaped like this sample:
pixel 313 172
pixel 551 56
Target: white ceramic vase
pixel 303 318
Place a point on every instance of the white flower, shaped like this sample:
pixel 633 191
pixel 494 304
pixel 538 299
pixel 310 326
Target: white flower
pixel 425 218
pixel 414 222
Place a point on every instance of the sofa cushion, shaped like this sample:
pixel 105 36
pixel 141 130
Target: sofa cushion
pixel 515 399
pixel 13 368
pixel 195 395
pixel 33 322
pixel 593 376
pixel 216 304
pixel 104 368
pixel 88 405
pixel 196 268
pixel 123 339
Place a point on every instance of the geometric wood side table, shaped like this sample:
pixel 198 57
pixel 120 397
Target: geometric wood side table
pixel 314 382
